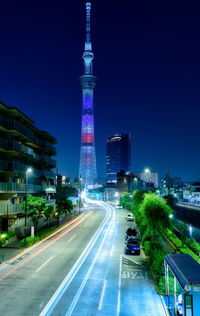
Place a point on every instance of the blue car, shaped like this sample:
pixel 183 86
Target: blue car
pixel 132 246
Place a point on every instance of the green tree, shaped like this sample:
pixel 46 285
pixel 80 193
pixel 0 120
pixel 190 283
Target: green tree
pixel 155 213
pixel 138 197
pixel 35 207
pixel 125 198
pixel 62 193
pixel 65 207
pixel 48 212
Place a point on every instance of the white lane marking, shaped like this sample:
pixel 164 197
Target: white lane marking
pixel 111 252
pixel 44 264
pixel 71 238
pixel 84 225
pixel 102 295
pixel 78 294
pixel 119 286
pixel 47 310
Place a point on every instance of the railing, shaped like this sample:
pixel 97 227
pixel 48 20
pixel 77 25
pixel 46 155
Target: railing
pixel 49 174
pixel 49 160
pixel 20 187
pixel 21 128
pixel 10 208
pixel 49 145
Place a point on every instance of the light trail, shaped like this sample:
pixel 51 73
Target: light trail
pixel 46 238
pixel 48 309
pixel 78 294
pixel 42 249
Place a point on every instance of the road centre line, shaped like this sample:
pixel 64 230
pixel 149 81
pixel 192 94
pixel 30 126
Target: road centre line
pixel 71 238
pixel 46 238
pixel 102 295
pixel 47 310
pixel 42 249
pixel 44 264
pixel 78 294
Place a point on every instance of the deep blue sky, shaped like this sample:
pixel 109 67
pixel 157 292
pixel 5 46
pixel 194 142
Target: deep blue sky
pixel 147 63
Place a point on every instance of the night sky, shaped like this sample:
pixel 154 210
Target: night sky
pixel 147 63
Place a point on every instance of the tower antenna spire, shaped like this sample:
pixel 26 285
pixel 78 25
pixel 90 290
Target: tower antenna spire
pixel 88 44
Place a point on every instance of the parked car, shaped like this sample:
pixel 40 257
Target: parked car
pixel 119 206
pixel 130 217
pixel 132 246
pixel 131 232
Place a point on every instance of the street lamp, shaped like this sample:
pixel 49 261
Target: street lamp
pixel 147 171
pixel 28 171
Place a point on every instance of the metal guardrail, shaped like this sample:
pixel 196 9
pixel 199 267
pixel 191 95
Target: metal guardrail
pixel 10 209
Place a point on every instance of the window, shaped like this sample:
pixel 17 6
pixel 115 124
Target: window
pixel 188 305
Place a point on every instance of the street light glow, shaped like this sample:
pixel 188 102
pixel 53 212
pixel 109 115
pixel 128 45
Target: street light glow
pixel 29 170
pixel 147 170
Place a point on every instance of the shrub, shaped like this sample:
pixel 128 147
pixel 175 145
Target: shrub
pixel 147 247
pixel 146 236
pixel 29 241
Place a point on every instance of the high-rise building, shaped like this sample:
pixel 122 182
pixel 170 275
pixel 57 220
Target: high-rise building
pixel 87 169
pixel 118 155
pixel 26 164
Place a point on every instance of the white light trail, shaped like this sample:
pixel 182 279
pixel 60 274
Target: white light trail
pixel 47 310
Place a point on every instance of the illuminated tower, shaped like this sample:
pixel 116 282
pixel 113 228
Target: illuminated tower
pixel 87 169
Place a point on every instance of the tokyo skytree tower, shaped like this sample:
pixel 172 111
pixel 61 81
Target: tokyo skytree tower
pixel 87 169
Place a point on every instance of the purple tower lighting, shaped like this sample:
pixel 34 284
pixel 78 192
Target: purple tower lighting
pixel 87 169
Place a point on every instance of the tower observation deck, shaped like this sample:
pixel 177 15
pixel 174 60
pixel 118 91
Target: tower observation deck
pixel 87 169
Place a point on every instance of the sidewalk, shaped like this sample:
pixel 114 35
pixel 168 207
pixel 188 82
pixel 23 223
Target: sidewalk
pixel 10 251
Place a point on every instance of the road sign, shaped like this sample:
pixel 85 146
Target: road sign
pixel 76 195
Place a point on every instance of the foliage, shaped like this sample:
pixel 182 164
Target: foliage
pixel 155 213
pixel 125 198
pixel 48 212
pixel 138 197
pixel 193 245
pixel 65 207
pixel 182 229
pixel 35 207
pixel 29 241
pixel 62 193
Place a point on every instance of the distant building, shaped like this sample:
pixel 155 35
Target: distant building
pixel 133 181
pixel 60 180
pixel 170 184
pixel 118 155
pixel 26 164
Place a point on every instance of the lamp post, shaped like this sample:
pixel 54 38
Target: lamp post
pixel 148 173
pixel 28 171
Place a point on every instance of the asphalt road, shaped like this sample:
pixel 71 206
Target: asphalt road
pixel 82 270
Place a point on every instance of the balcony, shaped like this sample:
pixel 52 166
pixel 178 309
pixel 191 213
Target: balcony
pixel 6 209
pixel 21 128
pixel 49 174
pixel 49 146
pixel 20 187
pixel 49 161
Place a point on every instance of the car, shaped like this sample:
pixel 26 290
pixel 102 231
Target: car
pixel 132 246
pixel 129 217
pixel 131 232
pixel 119 206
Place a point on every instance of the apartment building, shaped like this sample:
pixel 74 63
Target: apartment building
pixel 26 163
